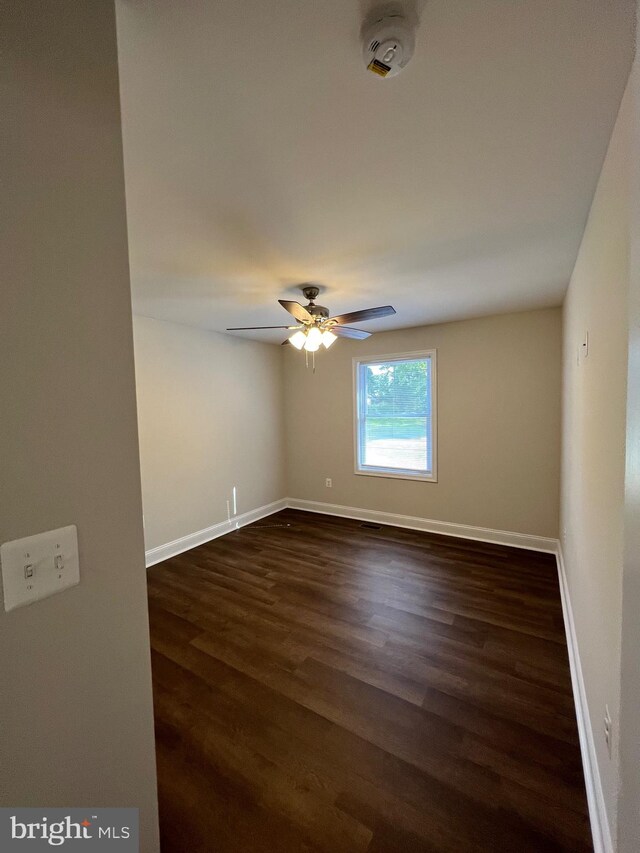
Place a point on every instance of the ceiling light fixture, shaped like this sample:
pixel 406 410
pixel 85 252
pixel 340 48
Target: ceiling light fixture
pixel 311 339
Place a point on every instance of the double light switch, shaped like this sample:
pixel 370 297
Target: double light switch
pixel 39 566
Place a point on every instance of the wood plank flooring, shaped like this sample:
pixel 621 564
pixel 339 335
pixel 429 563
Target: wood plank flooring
pixel 328 687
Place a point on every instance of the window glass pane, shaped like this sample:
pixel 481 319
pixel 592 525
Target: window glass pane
pixel 396 443
pixel 394 405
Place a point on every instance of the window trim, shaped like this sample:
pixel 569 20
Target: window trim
pixel 391 473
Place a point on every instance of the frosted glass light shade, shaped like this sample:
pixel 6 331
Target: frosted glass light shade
pixel 298 340
pixel 314 339
pixel 328 338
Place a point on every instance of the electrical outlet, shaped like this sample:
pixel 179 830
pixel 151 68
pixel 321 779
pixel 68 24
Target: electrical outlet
pixel 608 730
pixel 328 483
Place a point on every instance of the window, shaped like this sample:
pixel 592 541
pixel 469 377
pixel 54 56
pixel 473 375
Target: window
pixel 395 415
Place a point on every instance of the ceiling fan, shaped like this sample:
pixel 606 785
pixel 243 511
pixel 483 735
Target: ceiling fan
pixel 315 327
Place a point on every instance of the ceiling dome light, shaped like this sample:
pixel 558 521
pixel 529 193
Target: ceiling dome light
pixel 314 339
pixel 298 340
pixel 328 338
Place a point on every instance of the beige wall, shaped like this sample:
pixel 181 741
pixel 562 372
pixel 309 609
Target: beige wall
pixel 498 424
pixel 210 418
pixel 593 464
pixel 75 686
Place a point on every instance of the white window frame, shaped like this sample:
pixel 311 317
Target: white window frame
pixel 391 473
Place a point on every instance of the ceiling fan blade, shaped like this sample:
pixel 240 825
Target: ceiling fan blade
pixel 366 314
pixel 247 328
pixel 298 311
pixel 346 332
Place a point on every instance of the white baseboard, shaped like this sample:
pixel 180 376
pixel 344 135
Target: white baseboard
pixel 602 841
pixel 192 540
pixel 445 528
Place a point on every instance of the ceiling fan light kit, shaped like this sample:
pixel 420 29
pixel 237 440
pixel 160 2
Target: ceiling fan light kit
pixel 311 339
pixel 316 328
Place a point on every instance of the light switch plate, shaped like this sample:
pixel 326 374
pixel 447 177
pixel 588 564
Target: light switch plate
pixel 39 566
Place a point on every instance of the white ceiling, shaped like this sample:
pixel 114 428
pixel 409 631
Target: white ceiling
pixel 260 153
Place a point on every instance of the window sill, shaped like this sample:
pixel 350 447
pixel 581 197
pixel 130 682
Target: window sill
pixel 397 475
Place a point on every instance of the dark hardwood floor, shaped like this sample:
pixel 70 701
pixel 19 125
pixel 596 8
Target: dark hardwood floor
pixel 329 687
